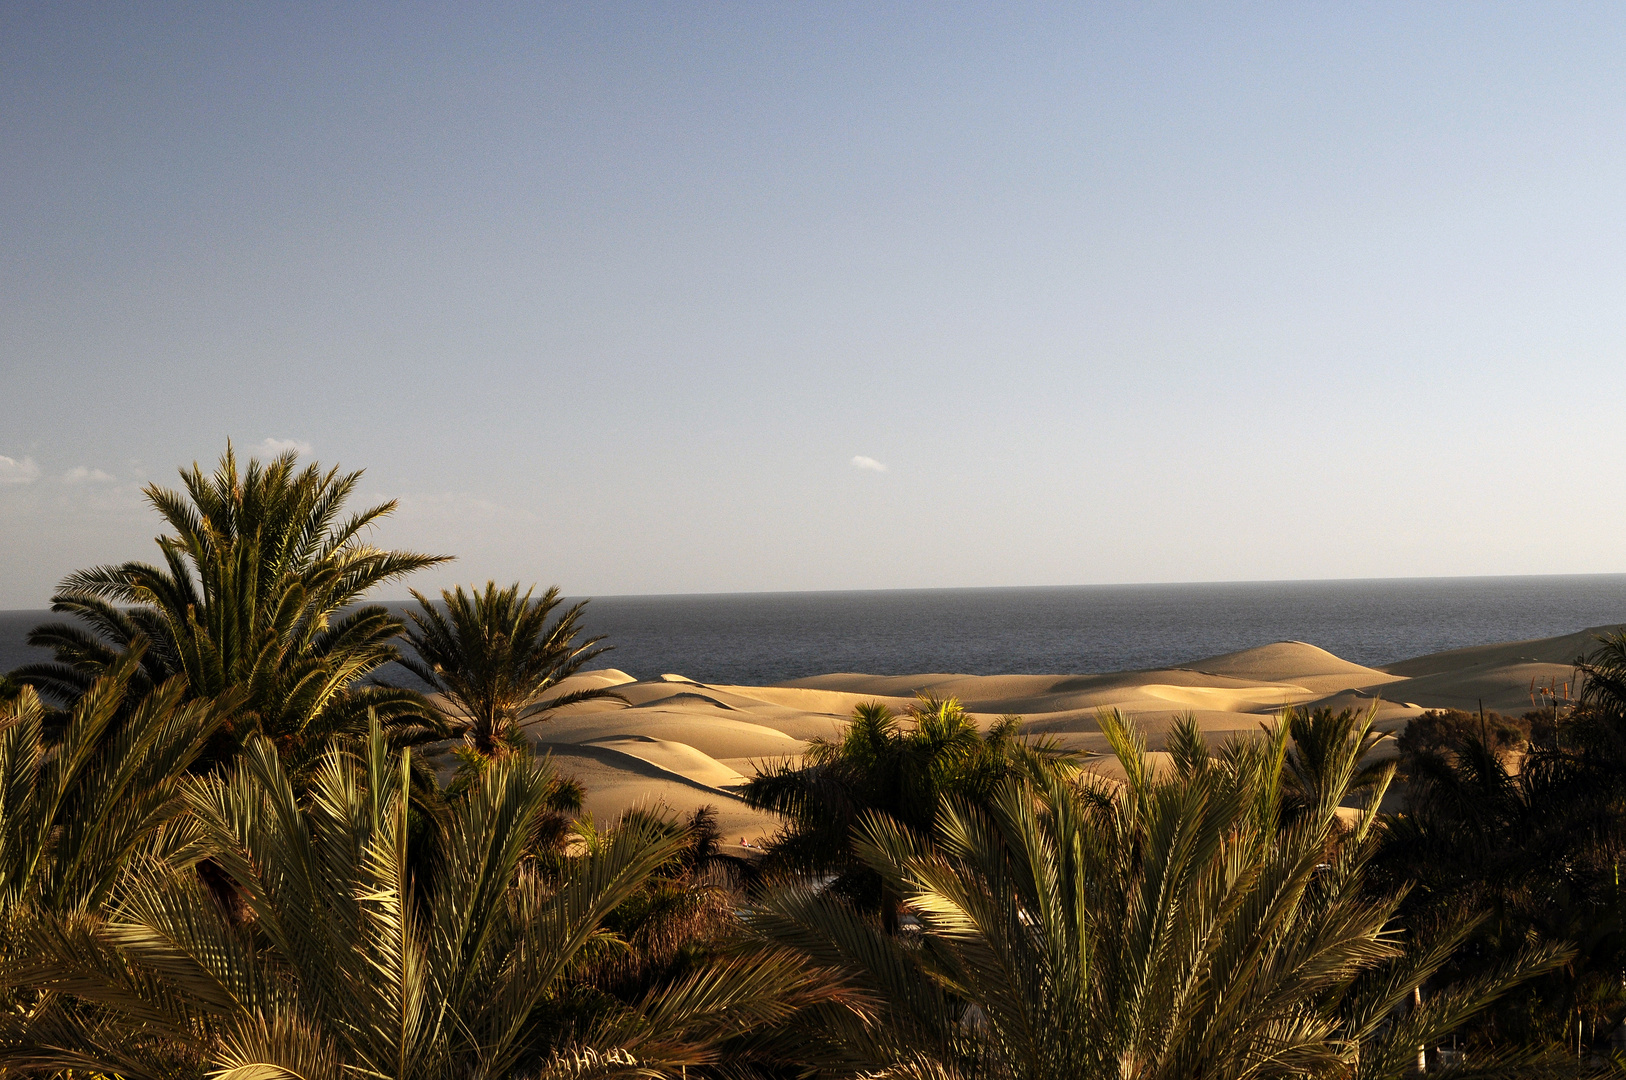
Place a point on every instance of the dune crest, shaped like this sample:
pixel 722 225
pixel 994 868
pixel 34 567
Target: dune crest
pixel 1293 662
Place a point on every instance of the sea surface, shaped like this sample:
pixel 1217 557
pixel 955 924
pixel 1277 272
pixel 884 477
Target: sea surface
pixel 757 638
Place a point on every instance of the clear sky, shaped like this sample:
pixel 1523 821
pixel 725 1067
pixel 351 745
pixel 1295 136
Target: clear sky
pixel 737 297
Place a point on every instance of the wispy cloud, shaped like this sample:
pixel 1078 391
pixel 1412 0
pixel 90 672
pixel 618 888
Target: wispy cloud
pixel 80 474
pixel 275 447
pixel 862 462
pixel 13 471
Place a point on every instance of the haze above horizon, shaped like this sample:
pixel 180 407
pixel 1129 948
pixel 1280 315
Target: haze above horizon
pixel 665 299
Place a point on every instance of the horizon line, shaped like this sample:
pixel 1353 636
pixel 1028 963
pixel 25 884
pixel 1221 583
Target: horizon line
pixel 1016 588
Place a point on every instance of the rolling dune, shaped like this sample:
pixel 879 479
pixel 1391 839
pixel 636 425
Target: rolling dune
pixel 686 744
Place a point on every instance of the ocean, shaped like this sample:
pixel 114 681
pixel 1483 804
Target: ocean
pixel 757 638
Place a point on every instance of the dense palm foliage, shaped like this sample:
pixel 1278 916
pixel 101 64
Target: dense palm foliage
pixel 1173 926
pixel 900 766
pixel 1524 820
pixel 1602 677
pixel 496 660
pixel 76 807
pixel 255 595
pixel 684 914
pixel 1320 743
pixel 334 960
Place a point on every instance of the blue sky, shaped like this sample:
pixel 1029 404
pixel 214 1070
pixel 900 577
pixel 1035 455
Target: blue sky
pixel 734 297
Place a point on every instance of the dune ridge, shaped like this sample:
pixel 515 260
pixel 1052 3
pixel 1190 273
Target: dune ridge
pixel 687 744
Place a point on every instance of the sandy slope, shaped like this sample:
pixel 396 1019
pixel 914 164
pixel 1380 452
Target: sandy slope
pixel 1499 675
pixel 686 744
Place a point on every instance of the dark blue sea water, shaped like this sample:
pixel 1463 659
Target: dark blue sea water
pixel 768 637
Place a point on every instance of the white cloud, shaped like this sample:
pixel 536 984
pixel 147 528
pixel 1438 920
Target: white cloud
pixel 13 471
pixel 862 462
pixel 274 447
pixel 79 474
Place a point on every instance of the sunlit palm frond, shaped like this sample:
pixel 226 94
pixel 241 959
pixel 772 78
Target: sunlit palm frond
pixel 257 573
pixel 1180 923
pixel 496 659
pixel 334 958
pixel 74 811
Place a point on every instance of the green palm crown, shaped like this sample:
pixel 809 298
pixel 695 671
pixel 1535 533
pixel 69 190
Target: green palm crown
pixel 256 592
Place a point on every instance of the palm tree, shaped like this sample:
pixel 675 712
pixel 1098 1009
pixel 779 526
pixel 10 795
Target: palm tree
pixel 1531 837
pixel 682 916
pixel 1168 926
pixel 496 660
pixel 901 767
pixel 255 594
pixel 75 809
pixel 1322 744
pixel 339 962
pixel 1603 671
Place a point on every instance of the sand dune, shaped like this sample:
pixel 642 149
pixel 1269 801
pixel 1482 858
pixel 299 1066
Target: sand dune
pixel 684 743
pixel 1500 676
pixel 1294 662
pixel 679 761
pixel 1554 650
